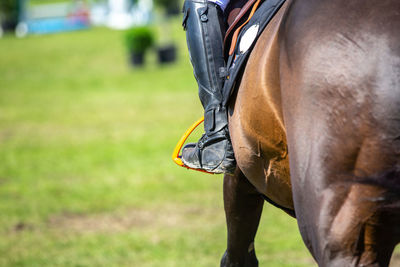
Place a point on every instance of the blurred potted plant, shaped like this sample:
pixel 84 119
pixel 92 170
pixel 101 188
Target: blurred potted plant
pixel 139 40
pixel 166 51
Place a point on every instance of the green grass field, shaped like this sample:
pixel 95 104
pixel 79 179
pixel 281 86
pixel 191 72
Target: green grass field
pixel 86 177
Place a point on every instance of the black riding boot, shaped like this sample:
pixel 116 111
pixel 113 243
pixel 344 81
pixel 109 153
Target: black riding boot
pixel 204 34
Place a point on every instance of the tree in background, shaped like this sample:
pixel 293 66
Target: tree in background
pixel 9 14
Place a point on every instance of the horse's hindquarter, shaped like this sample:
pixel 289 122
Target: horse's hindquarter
pixel 256 125
pixel 340 81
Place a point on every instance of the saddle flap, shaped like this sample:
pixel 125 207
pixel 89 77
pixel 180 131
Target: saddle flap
pixel 244 36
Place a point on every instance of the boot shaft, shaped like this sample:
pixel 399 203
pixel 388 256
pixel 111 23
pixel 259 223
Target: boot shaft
pixel 204 25
pixel 203 22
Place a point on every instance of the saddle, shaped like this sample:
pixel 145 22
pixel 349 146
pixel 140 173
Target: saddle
pixel 246 20
pixel 236 15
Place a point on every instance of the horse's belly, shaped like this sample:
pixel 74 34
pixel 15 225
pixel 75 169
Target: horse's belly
pixel 257 130
pixel 263 160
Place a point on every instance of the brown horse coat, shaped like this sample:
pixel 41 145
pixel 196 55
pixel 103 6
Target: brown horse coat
pixel 256 123
pixel 322 87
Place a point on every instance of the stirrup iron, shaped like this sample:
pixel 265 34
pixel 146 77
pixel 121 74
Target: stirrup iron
pixel 176 154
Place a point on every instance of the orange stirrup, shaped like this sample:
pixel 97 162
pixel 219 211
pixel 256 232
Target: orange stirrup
pixel 175 155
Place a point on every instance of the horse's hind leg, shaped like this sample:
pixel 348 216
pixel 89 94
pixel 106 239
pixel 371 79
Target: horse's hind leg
pixel 346 193
pixel 243 208
pixel 345 220
pixel 359 228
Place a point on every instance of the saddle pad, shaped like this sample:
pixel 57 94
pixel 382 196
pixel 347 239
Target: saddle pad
pixel 236 14
pixel 247 38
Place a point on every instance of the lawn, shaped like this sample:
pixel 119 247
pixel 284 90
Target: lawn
pixel 86 177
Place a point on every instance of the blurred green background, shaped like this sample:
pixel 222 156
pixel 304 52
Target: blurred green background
pixel 86 177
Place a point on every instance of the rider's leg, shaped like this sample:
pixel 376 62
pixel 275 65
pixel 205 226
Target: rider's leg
pixel 221 3
pixel 203 22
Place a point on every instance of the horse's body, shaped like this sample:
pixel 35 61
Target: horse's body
pixel 322 87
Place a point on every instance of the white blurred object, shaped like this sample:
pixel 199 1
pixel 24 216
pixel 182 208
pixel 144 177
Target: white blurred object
pixel 145 4
pixel 142 12
pixel 21 30
pixel 122 14
pixel 98 14
pixel 119 17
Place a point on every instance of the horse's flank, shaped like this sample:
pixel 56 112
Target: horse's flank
pixel 323 83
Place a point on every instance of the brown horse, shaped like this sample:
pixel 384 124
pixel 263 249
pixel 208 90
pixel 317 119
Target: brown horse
pixel 322 87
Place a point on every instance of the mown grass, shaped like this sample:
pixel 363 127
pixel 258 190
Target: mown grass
pixel 85 175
